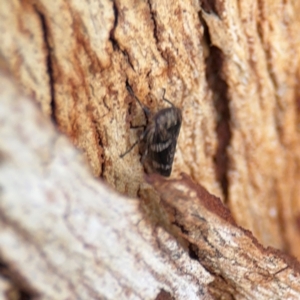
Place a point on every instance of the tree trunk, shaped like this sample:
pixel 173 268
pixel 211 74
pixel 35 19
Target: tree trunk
pixel 231 67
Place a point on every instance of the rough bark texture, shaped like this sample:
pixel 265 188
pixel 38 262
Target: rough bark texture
pixel 70 236
pixel 241 266
pixel 233 69
pixel 66 235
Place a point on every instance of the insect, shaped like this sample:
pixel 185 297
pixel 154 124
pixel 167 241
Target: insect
pixel 159 139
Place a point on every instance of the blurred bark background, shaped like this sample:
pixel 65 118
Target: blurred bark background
pixel 233 69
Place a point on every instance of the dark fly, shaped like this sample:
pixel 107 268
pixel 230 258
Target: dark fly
pixel 159 139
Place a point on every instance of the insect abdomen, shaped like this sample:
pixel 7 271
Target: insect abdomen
pixel 161 139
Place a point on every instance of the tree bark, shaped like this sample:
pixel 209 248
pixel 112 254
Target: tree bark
pixel 232 67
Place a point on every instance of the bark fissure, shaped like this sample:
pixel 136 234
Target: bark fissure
pixel 219 88
pixel 153 18
pixel 211 6
pixel 203 255
pixel 49 62
pixel 164 53
pixel 219 279
pixel 19 289
pixel 101 148
pixel 112 39
pixel 7 270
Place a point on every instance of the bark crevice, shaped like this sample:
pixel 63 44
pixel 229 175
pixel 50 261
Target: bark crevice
pixel 219 89
pixel 49 61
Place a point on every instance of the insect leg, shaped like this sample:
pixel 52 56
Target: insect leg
pixel 135 143
pixel 127 151
pixel 145 108
pixel 168 101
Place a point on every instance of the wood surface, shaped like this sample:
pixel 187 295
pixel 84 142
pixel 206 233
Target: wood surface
pixel 85 223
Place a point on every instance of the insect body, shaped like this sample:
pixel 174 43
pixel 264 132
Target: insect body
pixel 158 141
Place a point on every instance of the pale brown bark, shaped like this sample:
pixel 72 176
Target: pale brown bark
pixel 232 67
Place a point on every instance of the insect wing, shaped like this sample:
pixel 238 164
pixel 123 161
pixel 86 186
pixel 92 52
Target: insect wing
pixel 163 142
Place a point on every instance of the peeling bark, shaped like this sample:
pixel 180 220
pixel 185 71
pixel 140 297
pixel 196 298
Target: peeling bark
pixel 241 266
